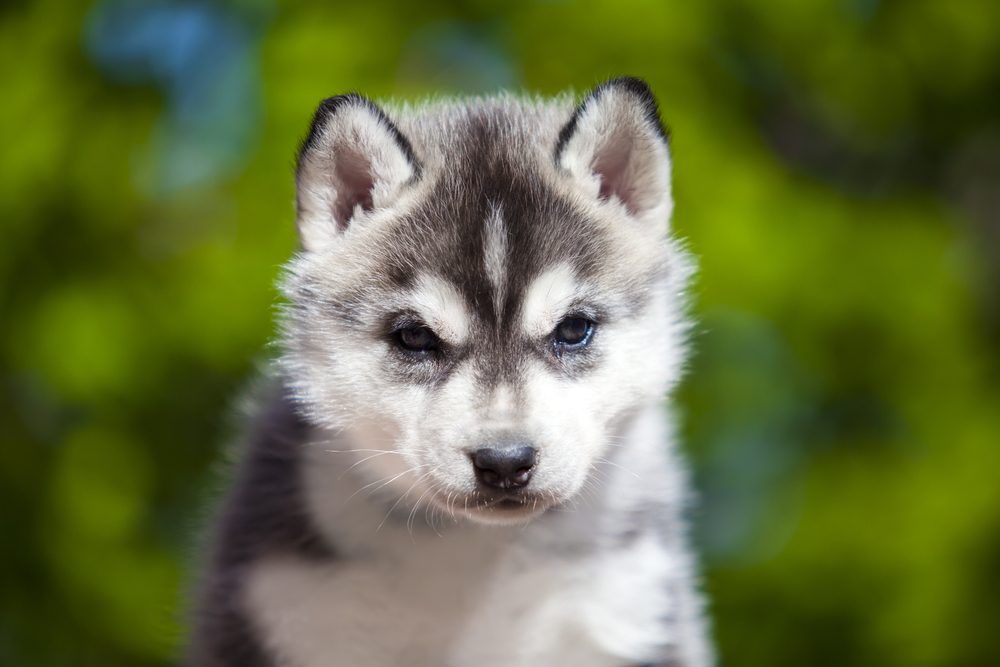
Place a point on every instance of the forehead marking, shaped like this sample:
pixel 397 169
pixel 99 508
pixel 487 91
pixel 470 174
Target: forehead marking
pixel 501 406
pixel 547 299
pixel 442 307
pixel 495 255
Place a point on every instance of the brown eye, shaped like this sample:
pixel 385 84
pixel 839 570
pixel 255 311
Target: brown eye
pixel 416 338
pixel 573 333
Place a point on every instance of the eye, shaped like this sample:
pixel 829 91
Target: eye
pixel 573 333
pixel 416 338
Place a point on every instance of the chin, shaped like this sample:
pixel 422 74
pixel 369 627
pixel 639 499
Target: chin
pixel 498 509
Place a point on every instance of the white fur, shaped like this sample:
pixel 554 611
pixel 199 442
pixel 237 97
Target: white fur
pixel 548 298
pixel 495 252
pixel 442 308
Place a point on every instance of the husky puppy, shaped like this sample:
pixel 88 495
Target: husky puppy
pixel 463 456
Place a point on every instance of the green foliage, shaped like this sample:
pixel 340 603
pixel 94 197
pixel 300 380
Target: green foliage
pixel 836 167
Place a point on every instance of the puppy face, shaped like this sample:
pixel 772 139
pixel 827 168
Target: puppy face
pixel 486 292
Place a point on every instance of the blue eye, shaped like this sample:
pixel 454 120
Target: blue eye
pixel 573 333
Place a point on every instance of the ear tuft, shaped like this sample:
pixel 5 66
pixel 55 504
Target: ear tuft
pixel 329 107
pixel 353 161
pixel 616 148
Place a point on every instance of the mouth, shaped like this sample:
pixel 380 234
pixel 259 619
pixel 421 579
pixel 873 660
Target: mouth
pixel 509 501
pixel 506 507
pixel 498 508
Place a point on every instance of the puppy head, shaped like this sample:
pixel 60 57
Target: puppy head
pixel 486 291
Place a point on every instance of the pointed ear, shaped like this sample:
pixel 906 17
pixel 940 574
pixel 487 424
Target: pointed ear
pixel 354 161
pixel 615 148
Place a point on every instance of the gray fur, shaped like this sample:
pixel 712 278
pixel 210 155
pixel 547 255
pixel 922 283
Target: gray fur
pixel 263 512
pixel 478 212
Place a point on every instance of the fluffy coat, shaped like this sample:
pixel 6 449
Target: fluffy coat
pixel 358 529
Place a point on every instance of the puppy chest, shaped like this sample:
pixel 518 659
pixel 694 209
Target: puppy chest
pixel 487 610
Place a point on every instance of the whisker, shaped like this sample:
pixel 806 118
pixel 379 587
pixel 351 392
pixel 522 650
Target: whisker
pixel 390 481
pixel 416 506
pixel 383 482
pixel 398 500
pixel 359 462
pixel 351 451
pixel 620 467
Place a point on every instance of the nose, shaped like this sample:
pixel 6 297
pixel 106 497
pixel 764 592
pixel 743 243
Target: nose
pixel 504 468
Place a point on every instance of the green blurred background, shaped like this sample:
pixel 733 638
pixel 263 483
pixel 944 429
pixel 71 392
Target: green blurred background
pixel 837 173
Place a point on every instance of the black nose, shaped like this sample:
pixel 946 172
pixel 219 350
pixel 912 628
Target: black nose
pixel 506 468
